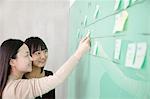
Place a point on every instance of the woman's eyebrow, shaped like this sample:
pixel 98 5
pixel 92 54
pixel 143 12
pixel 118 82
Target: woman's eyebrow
pixel 27 52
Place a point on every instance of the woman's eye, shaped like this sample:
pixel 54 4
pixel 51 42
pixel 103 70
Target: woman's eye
pixel 38 53
pixel 45 51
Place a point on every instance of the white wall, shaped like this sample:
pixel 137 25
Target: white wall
pixel 47 19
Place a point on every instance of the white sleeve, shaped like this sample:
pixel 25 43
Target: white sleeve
pixel 30 88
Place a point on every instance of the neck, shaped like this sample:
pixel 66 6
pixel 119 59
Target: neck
pixel 16 75
pixel 36 73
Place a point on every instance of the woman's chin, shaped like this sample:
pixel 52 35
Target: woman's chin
pixel 41 65
pixel 30 70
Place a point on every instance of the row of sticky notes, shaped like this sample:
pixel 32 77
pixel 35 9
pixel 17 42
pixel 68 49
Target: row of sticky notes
pixel 124 3
pixel 135 55
pixel 120 18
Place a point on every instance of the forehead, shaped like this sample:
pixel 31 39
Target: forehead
pixel 23 49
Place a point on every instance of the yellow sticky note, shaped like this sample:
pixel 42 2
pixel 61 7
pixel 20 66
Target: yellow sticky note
pixel 120 21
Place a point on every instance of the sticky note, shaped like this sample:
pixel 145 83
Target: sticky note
pixel 130 55
pixel 117 49
pixel 126 3
pixel 95 50
pixel 120 21
pixel 96 11
pixel 116 6
pixel 140 55
pixel 85 21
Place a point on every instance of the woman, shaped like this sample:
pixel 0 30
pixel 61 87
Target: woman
pixel 39 54
pixel 15 61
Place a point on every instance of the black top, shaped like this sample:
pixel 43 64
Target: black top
pixel 50 94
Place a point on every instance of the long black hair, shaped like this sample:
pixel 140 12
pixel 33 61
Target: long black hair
pixel 35 44
pixel 8 50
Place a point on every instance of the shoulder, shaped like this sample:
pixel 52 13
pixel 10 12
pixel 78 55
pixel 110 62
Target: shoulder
pixel 47 72
pixel 18 86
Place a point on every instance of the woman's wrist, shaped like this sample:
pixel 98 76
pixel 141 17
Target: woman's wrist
pixel 78 54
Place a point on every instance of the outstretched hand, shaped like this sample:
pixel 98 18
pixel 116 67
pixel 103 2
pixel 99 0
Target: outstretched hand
pixel 83 47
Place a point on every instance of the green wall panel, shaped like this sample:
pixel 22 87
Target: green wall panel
pixel 98 77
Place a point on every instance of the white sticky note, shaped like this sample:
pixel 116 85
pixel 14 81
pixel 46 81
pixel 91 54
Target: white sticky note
pixel 96 11
pixel 117 49
pixel 85 21
pixel 117 3
pixel 117 20
pixel 130 55
pixel 140 54
pixel 126 3
pixel 120 21
pixel 95 48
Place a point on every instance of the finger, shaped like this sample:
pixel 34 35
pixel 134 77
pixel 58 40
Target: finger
pixel 87 40
pixel 88 34
pixel 83 39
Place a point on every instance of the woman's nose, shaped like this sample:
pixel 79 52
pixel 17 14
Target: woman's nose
pixel 31 59
pixel 43 56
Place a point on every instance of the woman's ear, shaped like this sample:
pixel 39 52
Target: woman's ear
pixel 12 62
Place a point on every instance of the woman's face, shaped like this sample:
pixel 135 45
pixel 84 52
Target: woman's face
pixel 23 61
pixel 40 58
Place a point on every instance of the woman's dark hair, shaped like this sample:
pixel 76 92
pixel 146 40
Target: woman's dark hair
pixel 35 44
pixel 8 50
